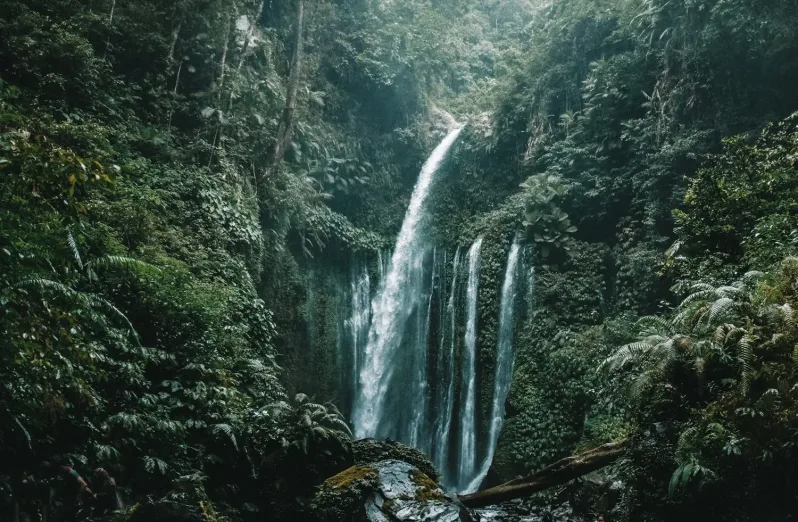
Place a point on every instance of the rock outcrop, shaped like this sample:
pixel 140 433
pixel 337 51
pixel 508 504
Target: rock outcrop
pixel 387 491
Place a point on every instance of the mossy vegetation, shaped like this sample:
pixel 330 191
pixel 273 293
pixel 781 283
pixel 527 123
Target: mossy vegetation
pixel 350 475
pixel 428 489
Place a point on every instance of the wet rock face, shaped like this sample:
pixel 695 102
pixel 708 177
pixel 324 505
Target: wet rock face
pixel 407 494
pixel 387 491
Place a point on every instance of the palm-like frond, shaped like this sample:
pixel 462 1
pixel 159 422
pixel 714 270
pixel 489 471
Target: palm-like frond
pixel 107 307
pixel 745 357
pixel 128 264
pixel 338 424
pixel 155 465
pixel 88 301
pixel 699 292
pixel 721 309
pixel 47 284
pixel 751 279
pixel 73 246
pixel 227 431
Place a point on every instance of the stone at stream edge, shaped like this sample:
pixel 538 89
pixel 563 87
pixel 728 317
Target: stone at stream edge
pixel 387 491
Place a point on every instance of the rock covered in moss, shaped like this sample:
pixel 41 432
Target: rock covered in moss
pixel 367 451
pixel 341 497
pixel 387 491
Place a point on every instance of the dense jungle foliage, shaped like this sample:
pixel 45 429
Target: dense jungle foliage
pixel 183 184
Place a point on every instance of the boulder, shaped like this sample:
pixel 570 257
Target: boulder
pixel 387 491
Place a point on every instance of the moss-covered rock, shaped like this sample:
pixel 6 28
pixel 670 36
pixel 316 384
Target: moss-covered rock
pixel 367 451
pixel 342 496
pixel 389 490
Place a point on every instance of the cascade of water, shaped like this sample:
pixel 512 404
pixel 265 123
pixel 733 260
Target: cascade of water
pixel 504 362
pixel 358 324
pixel 446 373
pixel 397 300
pixel 468 406
pixel 419 402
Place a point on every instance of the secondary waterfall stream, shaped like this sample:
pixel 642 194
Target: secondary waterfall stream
pixel 446 359
pixel 504 362
pixel 407 345
pixel 468 405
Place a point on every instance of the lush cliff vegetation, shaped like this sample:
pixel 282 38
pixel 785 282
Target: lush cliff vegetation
pixel 184 184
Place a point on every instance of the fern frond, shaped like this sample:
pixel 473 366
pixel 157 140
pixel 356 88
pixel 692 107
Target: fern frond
pixel 155 465
pixel 129 264
pixel 48 284
pixel 788 312
pixel 721 309
pixel 227 431
pixel 684 317
pixel 699 292
pixel 645 381
pixel 109 308
pixel 750 279
pixel 653 324
pixel 623 356
pixel 729 291
pixel 338 424
pixel 73 246
pixel 106 453
pixel 686 440
pixel 745 356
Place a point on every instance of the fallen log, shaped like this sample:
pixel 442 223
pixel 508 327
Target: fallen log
pixel 560 472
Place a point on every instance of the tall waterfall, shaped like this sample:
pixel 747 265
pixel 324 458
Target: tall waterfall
pixel 407 345
pixel 445 372
pixel 399 299
pixel 504 361
pixel 355 328
pixel 468 403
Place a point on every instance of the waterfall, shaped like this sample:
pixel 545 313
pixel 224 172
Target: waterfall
pixel 356 326
pixel 398 300
pixel 468 403
pixel 445 373
pixel 402 352
pixel 504 361
pixel 419 397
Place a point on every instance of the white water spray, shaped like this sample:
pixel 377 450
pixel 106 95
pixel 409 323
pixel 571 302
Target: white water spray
pixel 395 303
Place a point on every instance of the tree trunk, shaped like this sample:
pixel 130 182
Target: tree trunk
pixel 286 129
pixel 558 473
